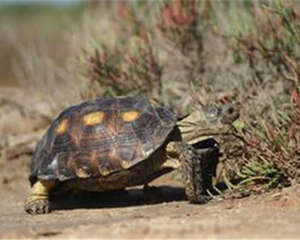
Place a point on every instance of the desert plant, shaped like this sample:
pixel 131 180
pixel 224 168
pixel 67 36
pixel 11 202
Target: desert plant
pixel 180 23
pixel 263 37
pixel 125 71
pixel 133 64
pixel 270 40
pixel 266 38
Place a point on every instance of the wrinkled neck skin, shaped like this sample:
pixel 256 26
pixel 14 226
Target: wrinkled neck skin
pixel 196 127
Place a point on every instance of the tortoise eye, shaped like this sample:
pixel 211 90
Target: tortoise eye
pixel 213 112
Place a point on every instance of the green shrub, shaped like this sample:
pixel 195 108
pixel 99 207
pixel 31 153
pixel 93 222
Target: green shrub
pixel 270 46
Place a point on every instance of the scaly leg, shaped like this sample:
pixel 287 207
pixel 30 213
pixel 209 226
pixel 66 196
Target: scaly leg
pixel 38 200
pixel 198 167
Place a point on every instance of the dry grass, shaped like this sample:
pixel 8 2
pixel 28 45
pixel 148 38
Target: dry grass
pixel 39 48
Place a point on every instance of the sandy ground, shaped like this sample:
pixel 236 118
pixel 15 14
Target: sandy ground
pixel 126 215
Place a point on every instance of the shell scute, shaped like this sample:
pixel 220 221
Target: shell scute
pixel 82 165
pixel 94 137
pixel 64 167
pixel 63 143
pixel 107 162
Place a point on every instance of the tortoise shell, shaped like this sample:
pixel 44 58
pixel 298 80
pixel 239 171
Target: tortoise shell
pixel 100 137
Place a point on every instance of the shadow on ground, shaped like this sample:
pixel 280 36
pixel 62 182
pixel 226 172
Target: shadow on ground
pixel 113 199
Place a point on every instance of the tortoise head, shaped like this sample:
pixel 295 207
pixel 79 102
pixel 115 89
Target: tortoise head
pixel 214 126
pixel 208 121
pixel 224 114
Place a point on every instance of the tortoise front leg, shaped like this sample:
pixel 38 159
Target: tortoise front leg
pixel 198 167
pixel 38 200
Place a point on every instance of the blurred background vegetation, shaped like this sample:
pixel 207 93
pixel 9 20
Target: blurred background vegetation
pixel 28 23
pixel 176 52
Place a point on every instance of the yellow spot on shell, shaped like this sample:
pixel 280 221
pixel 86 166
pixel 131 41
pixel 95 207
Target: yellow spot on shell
pixel 104 171
pixel 93 118
pixel 81 173
pixel 62 126
pixel 125 164
pixel 130 116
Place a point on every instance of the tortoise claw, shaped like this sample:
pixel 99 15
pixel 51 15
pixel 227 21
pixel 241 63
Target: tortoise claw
pixel 38 206
pixel 198 199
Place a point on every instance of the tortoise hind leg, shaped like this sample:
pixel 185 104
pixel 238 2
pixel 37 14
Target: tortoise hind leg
pixel 198 167
pixel 38 200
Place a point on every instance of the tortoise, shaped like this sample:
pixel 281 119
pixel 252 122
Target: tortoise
pixel 114 143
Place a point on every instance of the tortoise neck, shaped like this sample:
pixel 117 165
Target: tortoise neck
pixel 188 125
pixel 196 127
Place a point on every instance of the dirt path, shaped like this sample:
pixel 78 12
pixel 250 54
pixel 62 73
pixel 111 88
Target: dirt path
pixel 125 215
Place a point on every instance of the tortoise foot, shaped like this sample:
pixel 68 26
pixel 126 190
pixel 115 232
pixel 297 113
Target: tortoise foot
pixel 197 198
pixel 152 194
pixel 37 206
pixel 198 167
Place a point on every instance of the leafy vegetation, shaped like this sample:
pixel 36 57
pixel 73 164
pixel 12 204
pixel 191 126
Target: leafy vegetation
pixel 260 38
